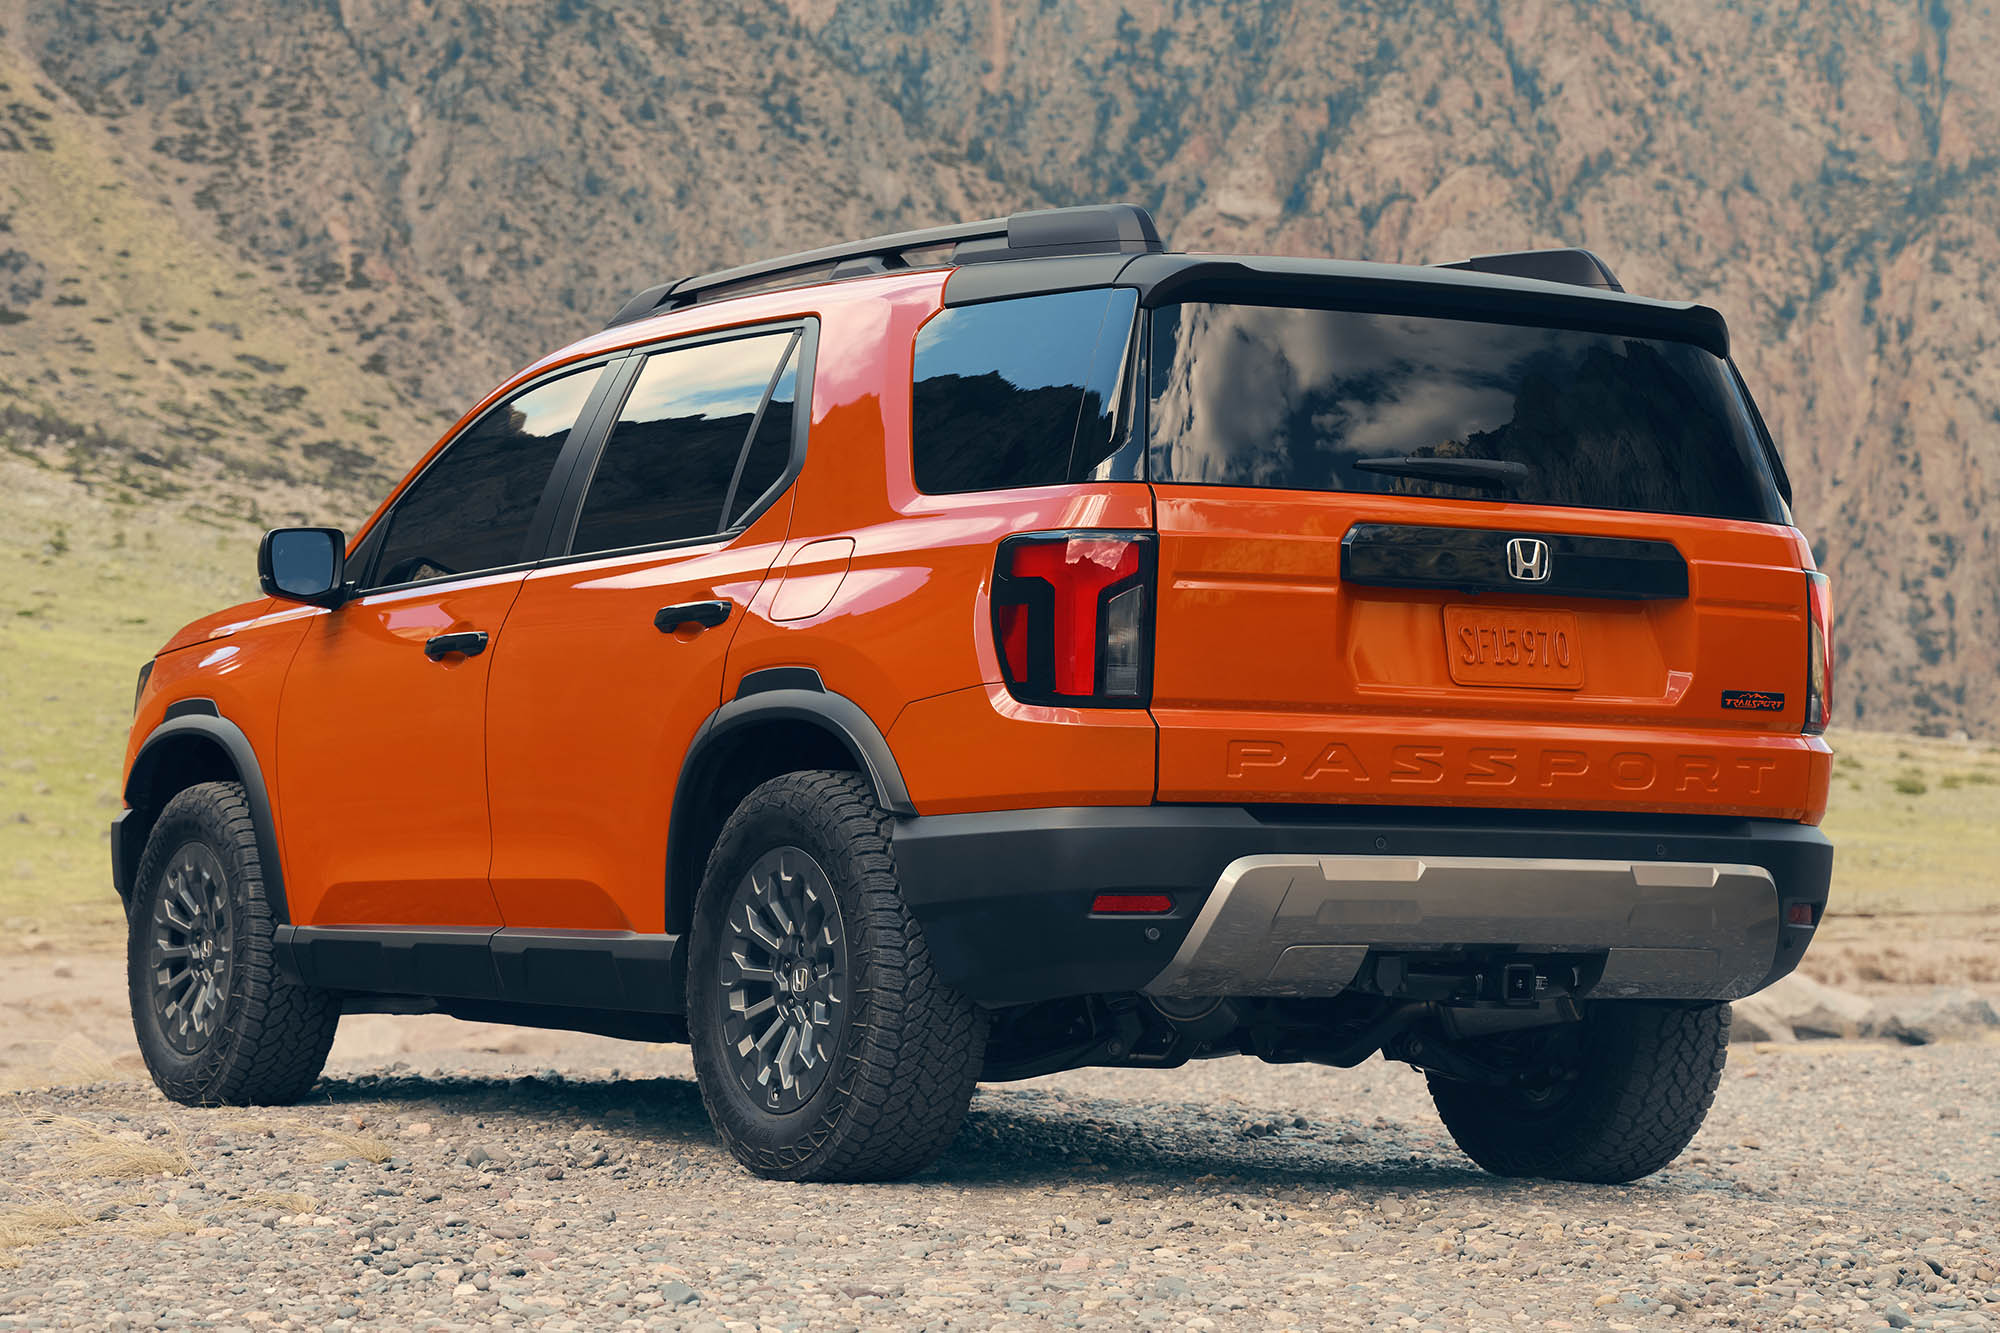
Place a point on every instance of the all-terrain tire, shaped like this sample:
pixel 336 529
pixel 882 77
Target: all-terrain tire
pixel 266 1037
pixel 1649 1072
pixel 907 1049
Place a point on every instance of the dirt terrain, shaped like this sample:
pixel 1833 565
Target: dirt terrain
pixel 457 1175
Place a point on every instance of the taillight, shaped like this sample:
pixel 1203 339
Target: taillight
pixel 1073 617
pixel 1819 652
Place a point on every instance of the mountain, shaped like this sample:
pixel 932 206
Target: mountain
pixel 256 254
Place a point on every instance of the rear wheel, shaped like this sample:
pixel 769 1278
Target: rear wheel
pixel 216 1021
pixel 825 1046
pixel 1630 1088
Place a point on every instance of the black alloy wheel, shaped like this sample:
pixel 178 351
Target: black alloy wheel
pixel 192 948
pixel 217 1021
pixel 781 992
pixel 825 1044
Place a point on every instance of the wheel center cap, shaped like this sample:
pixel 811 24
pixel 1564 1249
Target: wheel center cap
pixel 800 979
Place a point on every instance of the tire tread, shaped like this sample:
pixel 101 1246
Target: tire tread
pixel 914 1047
pixel 276 1032
pixel 1652 1079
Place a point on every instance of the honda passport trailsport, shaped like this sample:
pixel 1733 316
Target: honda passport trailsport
pixel 1003 648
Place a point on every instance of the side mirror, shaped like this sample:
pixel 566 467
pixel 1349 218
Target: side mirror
pixel 304 565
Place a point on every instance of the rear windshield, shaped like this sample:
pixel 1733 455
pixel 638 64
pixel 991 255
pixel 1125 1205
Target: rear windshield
pixel 1331 400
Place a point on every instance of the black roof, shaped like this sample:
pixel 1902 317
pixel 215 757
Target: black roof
pixel 1096 229
pixel 1101 245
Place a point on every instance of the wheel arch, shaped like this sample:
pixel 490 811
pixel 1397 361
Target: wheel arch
pixel 194 744
pixel 782 720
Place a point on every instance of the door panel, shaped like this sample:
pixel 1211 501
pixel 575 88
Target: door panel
pixel 382 760
pixel 596 695
pixel 592 709
pixel 382 724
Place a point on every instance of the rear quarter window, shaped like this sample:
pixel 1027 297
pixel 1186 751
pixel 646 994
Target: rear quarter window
pixel 1330 400
pixel 1020 392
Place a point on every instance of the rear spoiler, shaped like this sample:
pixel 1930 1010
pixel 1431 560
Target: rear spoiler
pixel 1579 268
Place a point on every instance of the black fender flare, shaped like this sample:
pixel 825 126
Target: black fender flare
pixel 200 717
pixel 776 694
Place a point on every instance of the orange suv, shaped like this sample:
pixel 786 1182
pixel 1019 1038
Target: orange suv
pixel 1003 648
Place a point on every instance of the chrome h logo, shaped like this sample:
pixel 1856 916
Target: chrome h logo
pixel 1528 560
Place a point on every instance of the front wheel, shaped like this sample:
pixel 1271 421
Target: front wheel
pixel 1637 1085
pixel 217 1022
pixel 825 1046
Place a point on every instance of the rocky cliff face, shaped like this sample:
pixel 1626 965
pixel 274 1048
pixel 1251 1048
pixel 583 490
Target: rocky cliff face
pixel 415 197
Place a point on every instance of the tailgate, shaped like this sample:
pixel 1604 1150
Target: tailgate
pixel 1410 555
pixel 1316 647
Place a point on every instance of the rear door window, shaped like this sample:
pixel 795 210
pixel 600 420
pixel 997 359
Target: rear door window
pixel 705 432
pixel 472 508
pixel 1020 392
pixel 1329 400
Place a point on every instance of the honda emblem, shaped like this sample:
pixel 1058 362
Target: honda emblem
pixel 1528 559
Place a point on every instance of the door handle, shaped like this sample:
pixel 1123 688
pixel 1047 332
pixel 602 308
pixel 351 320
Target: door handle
pixel 705 614
pixel 469 642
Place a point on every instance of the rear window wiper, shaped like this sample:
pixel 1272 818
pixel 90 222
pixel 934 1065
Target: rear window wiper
pixel 1458 471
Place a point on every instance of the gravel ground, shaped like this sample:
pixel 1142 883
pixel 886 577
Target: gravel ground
pixel 1836 1185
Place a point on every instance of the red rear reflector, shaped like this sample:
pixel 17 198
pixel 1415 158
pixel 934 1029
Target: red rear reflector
pixel 1139 904
pixel 1799 914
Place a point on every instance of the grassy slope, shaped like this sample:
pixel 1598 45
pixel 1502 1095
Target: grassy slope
pixel 156 403
pixel 1917 824
pixel 88 590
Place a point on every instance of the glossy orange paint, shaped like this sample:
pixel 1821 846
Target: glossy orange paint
pixel 590 714
pixel 237 658
pixel 382 760
pixel 1273 680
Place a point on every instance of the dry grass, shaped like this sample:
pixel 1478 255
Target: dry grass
pixel 156 1227
pixel 29 1223
pixel 94 1152
pixel 333 1144
pixel 34 1222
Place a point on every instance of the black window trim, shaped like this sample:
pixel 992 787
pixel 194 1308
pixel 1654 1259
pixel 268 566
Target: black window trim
pixel 369 550
pixel 803 349
pixel 1779 475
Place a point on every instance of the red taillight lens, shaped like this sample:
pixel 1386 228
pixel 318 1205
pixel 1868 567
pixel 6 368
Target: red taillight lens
pixel 1132 904
pixel 1072 617
pixel 1819 652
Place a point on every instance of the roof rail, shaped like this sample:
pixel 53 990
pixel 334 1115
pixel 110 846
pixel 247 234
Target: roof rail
pixel 1092 229
pixel 1579 268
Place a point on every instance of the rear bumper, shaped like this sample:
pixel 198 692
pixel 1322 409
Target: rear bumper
pixel 1291 901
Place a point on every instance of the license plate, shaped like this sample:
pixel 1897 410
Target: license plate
pixel 1536 650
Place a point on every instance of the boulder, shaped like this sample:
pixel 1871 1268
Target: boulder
pixel 1816 1011
pixel 1946 1014
pixel 1757 1019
